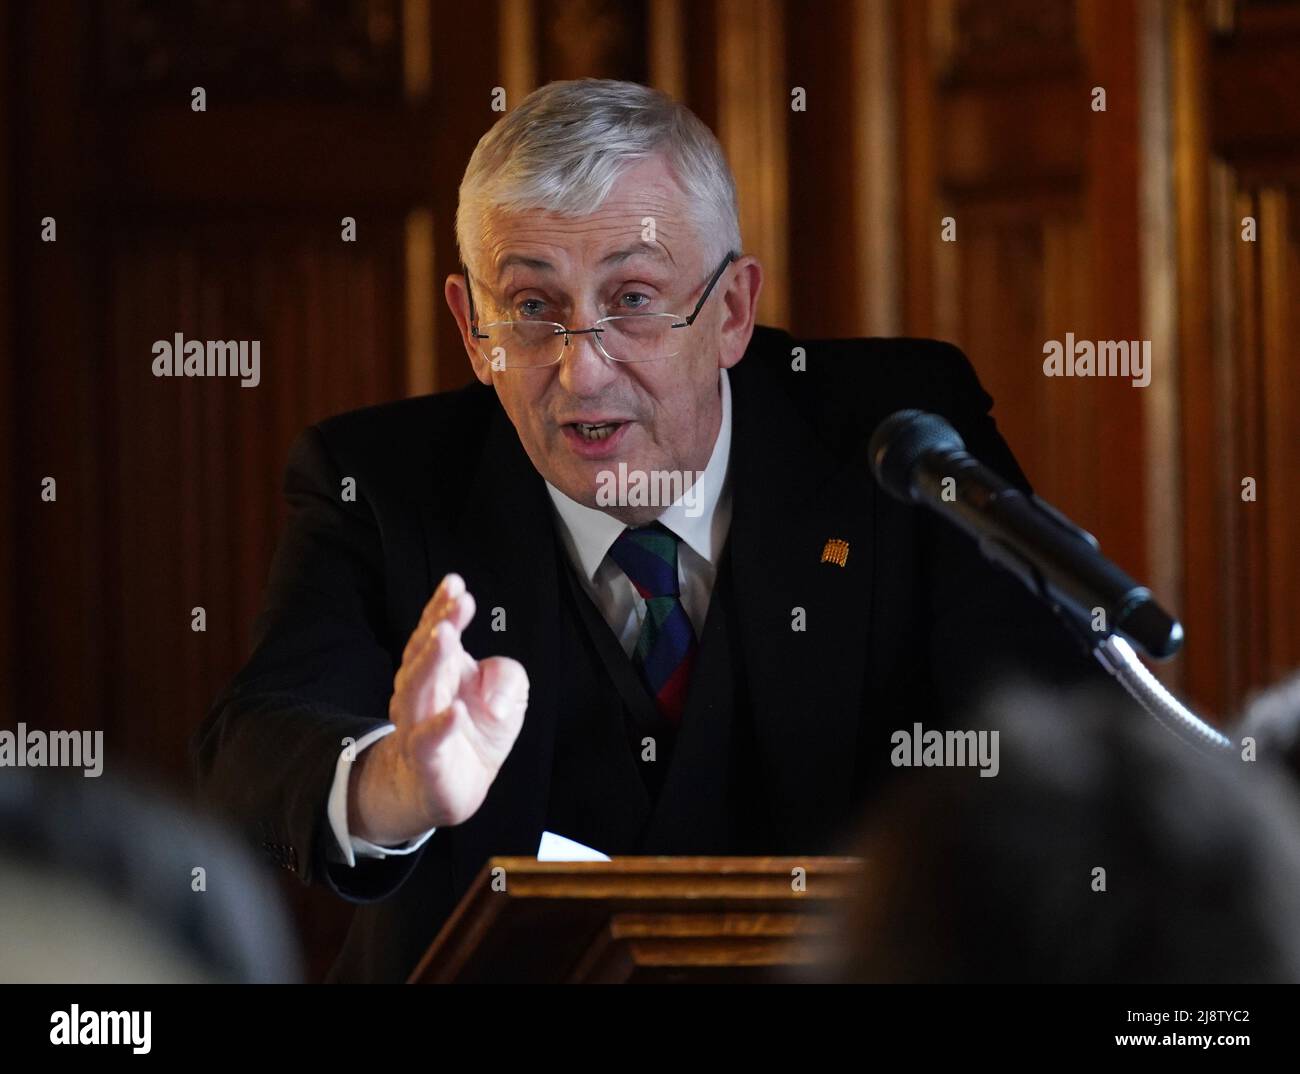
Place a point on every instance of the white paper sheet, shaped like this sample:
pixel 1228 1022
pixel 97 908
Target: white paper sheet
pixel 557 848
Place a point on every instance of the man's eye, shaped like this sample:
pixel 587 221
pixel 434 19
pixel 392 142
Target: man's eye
pixel 633 300
pixel 530 308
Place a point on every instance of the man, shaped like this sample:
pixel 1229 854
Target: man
pixel 497 637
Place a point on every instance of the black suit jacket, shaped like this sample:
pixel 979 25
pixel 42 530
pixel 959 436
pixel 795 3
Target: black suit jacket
pixel 912 627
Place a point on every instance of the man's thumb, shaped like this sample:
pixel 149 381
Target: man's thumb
pixel 503 682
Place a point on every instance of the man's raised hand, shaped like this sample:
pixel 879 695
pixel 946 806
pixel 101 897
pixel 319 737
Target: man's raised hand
pixel 456 719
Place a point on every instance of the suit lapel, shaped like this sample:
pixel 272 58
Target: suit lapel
pixel 505 548
pixel 791 495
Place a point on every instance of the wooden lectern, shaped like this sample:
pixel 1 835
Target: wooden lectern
pixel 639 920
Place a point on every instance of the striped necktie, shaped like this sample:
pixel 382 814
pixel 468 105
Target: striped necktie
pixel 665 650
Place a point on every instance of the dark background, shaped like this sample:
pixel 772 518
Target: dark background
pixel 226 225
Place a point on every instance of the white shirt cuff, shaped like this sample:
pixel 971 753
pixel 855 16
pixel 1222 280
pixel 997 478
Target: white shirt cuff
pixel 349 846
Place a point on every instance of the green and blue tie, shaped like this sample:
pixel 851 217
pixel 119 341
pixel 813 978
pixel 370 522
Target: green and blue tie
pixel 665 650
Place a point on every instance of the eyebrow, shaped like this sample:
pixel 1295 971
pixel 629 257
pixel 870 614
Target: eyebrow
pixel 616 257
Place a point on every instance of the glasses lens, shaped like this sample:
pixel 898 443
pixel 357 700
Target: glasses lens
pixel 521 344
pixel 646 337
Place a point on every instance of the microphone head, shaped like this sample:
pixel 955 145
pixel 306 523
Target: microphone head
pixel 901 441
pixel 1152 628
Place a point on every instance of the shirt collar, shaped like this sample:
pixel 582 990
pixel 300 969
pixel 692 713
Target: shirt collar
pixel 589 532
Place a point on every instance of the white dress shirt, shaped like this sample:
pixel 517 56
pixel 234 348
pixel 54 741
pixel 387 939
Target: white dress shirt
pixel 587 534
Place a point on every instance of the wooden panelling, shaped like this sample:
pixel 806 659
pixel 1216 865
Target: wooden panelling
pixel 1254 106
pixel 193 488
pixel 169 488
pixel 876 140
pixel 917 164
pixel 666 47
pixel 753 113
pixel 245 153
pixel 316 48
pixel 59 428
pixel 1206 587
pixel 1159 306
pixel 999 134
pixel 592 39
pixel 1012 39
pixel 1112 192
pixel 10 490
pixel 825 282
pixel 1020 283
pixel 1236 149
pixel 223 225
pixel 1272 415
pixel 467 65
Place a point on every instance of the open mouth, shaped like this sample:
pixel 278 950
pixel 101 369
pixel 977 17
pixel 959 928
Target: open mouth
pixel 596 439
pixel 592 432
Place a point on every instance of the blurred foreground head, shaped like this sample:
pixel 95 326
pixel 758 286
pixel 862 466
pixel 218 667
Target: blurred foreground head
pixel 1272 720
pixel 98 885
pixel 1103 850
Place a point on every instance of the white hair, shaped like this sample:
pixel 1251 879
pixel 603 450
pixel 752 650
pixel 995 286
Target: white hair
pixel 567 143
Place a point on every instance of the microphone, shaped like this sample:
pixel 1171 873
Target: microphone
pixel 918 457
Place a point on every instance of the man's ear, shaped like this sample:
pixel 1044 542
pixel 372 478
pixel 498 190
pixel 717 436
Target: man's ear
pixel 457 296
pixel 740 304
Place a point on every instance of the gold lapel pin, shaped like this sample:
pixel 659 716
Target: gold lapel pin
pixel 836 551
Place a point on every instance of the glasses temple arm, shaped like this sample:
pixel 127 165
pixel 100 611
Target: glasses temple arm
pixel 731 256
pixel 473 315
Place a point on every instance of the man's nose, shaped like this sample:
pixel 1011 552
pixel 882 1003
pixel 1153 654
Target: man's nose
pixel 584 370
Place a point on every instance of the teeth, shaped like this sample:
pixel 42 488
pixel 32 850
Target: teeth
pixel 595 432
